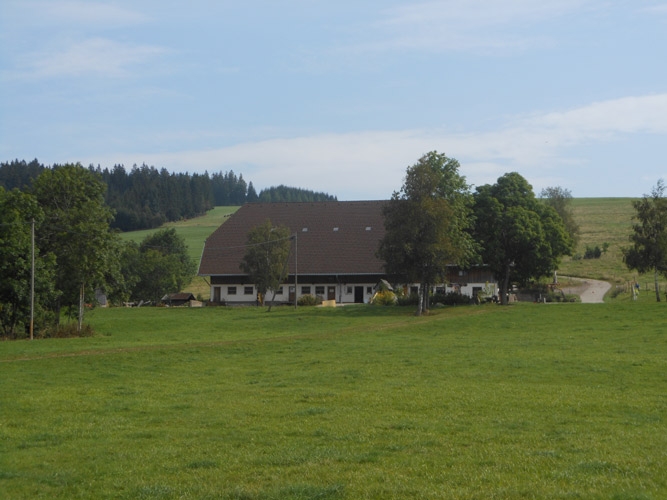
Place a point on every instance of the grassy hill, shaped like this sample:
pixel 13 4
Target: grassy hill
pixel 601 220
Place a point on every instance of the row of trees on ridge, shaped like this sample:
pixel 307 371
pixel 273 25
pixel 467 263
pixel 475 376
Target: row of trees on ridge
pixel 144 197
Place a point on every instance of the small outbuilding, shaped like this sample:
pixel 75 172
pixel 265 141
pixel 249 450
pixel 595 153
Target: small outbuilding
pixel 178 299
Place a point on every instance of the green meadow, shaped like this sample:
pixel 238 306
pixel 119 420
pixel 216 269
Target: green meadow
pixel 529 401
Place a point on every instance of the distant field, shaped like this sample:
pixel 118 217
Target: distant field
pixel 528 401
pixel 605 220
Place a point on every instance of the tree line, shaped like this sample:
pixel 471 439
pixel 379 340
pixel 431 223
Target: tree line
pixel 144 197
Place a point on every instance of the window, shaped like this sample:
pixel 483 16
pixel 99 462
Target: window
pixel 248 290
pixel 414 289
pixel 305 290
pixel 319 290
pixel 369 290
pixel 348 290
pixel 231 290
pixel 368 228
pixel 279 291
pixel 335 229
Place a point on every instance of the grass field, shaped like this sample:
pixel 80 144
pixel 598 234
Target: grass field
pixel 602 220
pixel 528 401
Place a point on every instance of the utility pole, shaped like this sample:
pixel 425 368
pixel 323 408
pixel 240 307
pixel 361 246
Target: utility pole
pixel 32 278
pixel 296 270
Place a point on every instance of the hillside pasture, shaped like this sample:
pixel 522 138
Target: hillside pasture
pixel 526 401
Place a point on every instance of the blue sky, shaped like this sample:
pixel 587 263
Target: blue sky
pixel 342 96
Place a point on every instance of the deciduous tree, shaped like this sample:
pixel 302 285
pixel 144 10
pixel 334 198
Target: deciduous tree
pixel 521 238
pixel 17 211
pixel 163 266
pixel 265 260
pixel 76 230
pixel 648 252
pixel 560 199
pixel 426 224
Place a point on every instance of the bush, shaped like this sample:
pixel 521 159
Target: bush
pixel 309 300
pixel 384 298
pixel 561 297
pixel 450 299
pixel 409 300
pixel 596 252
pixel 65 331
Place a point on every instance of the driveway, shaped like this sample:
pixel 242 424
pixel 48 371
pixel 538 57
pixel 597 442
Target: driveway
pixel 590 291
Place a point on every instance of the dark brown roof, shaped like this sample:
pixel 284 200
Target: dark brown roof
pixel 338 237
pixel 179 296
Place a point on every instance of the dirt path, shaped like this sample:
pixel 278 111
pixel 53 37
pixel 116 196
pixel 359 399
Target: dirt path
pixel 590 291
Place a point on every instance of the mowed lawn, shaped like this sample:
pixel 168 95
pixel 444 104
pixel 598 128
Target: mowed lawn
pixel 528 401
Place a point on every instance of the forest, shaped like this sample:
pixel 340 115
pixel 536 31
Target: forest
pixel 144 197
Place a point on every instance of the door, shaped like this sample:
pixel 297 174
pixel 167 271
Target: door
pixel 358 294
pixel 292 294
pixel 216 294
pixel 331 293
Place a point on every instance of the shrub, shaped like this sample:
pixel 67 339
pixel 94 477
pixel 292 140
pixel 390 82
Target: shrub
pixel 596 252
pixel 450 299
pixel 65 331
pixel 384 298
pixel 309 300
pixel 409 300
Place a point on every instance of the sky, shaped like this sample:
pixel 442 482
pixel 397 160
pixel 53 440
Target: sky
pixel 342 96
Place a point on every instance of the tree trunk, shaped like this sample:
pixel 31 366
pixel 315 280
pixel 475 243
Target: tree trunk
pixel 425 298
pixel 81 306
pixel 657 286
pixel 504 287
pixel 420 301
pixel 273 298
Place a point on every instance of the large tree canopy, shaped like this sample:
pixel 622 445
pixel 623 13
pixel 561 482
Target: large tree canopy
pixel 521 238
pixel 265 260
pixel 426 223
pixel 162 265
pixel 648 252
pixel 17 212
pixel 76 230
pixel 560 200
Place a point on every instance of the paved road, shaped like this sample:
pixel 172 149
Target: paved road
pixel 590 291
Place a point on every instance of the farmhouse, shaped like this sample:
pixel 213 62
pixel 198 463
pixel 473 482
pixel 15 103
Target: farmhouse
pixel 333 253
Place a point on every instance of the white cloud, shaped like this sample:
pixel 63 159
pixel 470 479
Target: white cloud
pixel 372 164
pixel 87 14
pixel 95 56
pixel 466 24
